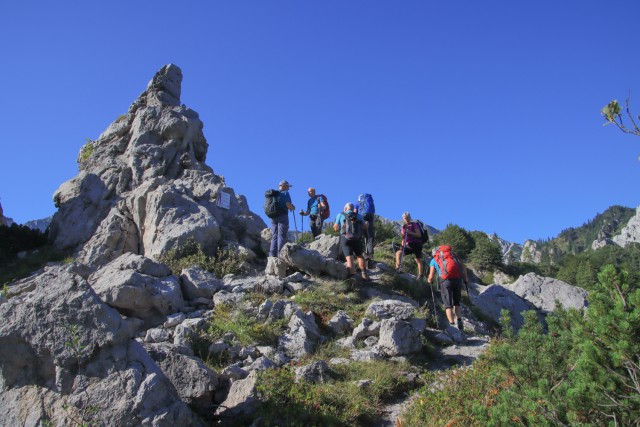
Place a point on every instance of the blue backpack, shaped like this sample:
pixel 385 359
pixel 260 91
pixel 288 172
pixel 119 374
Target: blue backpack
pixel 366 204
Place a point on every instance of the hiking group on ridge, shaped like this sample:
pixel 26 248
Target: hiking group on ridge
pixel 355 225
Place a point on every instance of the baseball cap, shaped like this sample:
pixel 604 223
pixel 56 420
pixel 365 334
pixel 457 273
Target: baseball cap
pixel 285 182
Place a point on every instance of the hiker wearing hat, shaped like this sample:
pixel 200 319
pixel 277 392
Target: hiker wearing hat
pixel 316 205
pixel 351 227
pixel 411 243
pixel 280 223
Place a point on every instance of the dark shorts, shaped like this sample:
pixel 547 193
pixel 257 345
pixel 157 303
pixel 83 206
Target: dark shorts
pixel 350 247
pixel 414 248
pixel 451 291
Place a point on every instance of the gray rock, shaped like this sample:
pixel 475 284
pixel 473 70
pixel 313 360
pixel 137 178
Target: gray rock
pixel 261 364
pixel 146 188
pixel 156 335
pixel 199 283
pixel 134 293
pixel 630 233
pixel 494 298
pixel 391 308
pixel 365 329
pixel 241 399
pixel 400 337
pixel 368 355
pixel 194 381
pixel 315 373
pixel 70 352
pixel 276 267
pixel 326 245
pixel 340 323
pixel 302 336
pixel 543 292
pixel 234 372
pixel 311 262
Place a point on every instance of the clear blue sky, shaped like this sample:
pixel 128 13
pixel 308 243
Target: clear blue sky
pixel 480 113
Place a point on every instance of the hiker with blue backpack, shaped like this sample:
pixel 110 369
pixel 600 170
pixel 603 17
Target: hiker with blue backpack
pixel 351 226
pixel 318 211
pixel 452 273
pixel 277 206
pixel 411 243
pixel 367 209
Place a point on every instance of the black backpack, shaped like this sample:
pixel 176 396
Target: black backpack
pixel 424 235
pixel 272 203
pixel 352 227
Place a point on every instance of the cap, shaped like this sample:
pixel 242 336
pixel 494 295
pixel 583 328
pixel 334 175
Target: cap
pixel 285 182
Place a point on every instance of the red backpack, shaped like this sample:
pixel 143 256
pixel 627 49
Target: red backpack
pixel 324 213
pixel 448 263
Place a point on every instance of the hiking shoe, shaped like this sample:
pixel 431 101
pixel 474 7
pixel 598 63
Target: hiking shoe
pixel 365 276
pixel 460 325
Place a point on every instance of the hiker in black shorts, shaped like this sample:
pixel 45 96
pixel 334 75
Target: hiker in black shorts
pixel 411 242
pixel 351 226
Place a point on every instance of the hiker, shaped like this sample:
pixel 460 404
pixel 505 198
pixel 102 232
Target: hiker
pixel 351 227
pixel 451 286
pixel 316 206
pixel 411 243
pixel 280 222
pixel 367 209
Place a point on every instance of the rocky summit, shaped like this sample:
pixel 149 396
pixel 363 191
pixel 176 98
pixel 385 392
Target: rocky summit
pixel 144 187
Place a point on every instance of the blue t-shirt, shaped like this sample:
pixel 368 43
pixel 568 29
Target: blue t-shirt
pixel 312 204
pixel 433 263
pixel 283 200
pixel 342 217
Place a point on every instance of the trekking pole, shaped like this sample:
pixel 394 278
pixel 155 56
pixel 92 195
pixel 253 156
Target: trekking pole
pixel 433 297
pixel 295 225
pixel 404 245
pixel 301 224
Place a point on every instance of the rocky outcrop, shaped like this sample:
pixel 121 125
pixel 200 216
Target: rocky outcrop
pixel 545 292
pixel 144 187
pixel 630 233
pixel 74 358
pixel 3 219
pixel 511 252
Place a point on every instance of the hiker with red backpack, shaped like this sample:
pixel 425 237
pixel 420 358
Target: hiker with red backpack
pixel 351 226
pixel 453 273
pixel 411 243
pixel 318 211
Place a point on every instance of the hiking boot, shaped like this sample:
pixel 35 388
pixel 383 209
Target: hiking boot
pixel 460 325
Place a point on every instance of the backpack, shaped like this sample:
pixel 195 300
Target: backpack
pixel 448 263
pixel 366 204
pixel 424 235
pixel 352 227
pixel 272 203
pixel 325 213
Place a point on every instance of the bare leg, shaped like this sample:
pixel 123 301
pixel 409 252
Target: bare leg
pixel 420 272
pixel 350 266
pixel 449 312
pixel 363 267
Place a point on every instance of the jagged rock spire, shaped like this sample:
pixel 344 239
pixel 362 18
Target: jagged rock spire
pixel 144 187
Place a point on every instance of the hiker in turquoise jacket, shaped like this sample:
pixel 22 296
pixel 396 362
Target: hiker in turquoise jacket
pixel 351 227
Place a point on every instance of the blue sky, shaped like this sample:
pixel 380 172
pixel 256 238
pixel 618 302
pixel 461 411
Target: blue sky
pixel 483 114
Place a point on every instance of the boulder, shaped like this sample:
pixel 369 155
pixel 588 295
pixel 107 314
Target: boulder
pixel 326 245
pixel 312 262
pixel 544 292
pixel 124 285
pixel 302 336
pixel 400 337
pixel 73 357
pixel 494 298
pixel 199 283
pixel 387 309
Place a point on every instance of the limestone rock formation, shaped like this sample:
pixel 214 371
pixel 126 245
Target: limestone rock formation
pixel 3 219
pixel 630 233
pixel 545 292
pixel 144 187
pixel 72 357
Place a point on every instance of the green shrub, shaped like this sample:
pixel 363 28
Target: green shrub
pixel 85 152
pixel 226 261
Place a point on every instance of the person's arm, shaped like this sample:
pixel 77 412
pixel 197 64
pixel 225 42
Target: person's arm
pixel 305 212
pixel 321 204
pixel 289 204
pixel 431 273
pixel 336 224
